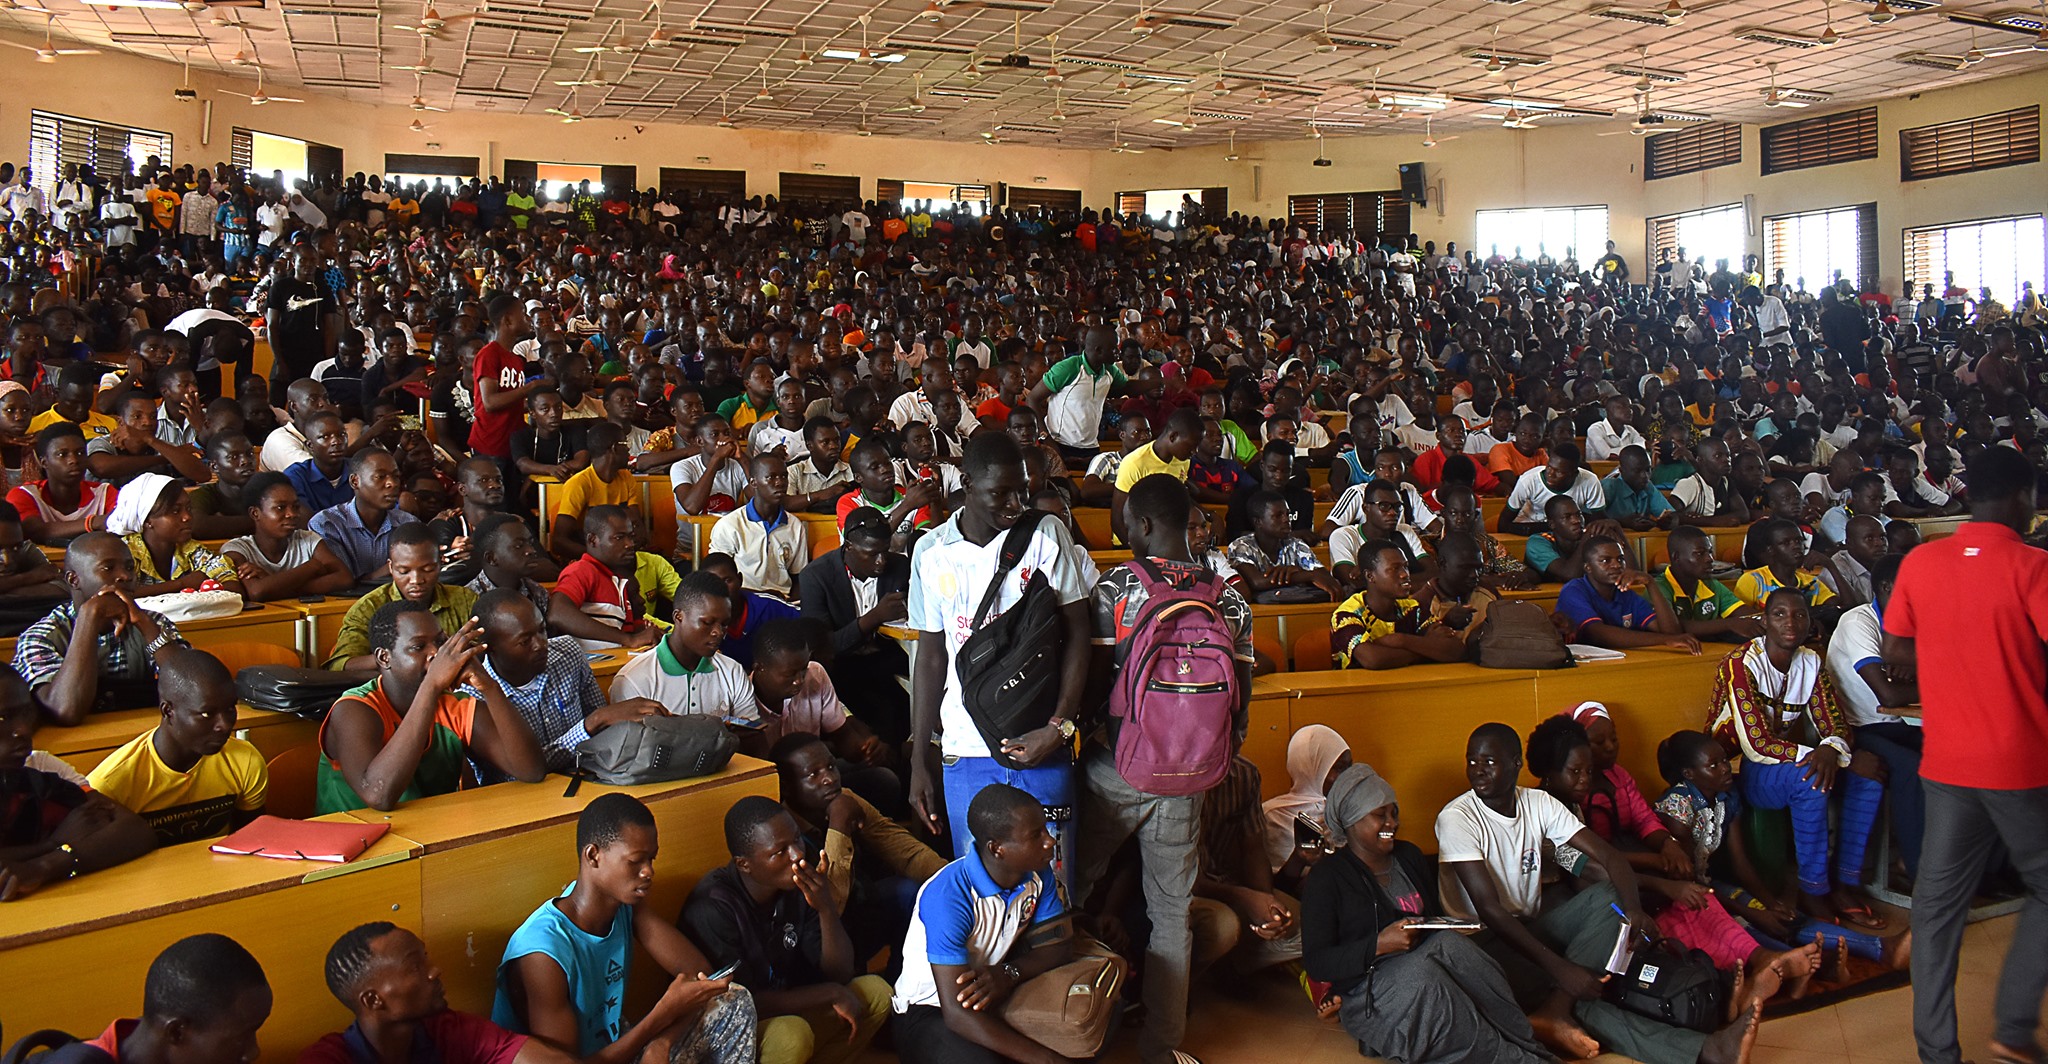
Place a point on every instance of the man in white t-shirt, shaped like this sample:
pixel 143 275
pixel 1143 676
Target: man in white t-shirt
pixel 1069 397
pixel 1560 474
pixel 1492 842
pixel 951 570
pixel 685 671
pixel 1867 688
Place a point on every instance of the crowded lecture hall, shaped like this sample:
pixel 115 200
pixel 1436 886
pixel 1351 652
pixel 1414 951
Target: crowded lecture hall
pixel 1582 597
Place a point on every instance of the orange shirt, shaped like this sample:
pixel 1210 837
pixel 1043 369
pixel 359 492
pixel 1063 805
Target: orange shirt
pixel 1508 462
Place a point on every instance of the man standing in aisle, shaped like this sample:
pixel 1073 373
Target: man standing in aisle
pixel 951 571
pixel 1983 680
pixel 1069 397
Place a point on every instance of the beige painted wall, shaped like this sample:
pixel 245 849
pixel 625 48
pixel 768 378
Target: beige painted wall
pixel 1567 165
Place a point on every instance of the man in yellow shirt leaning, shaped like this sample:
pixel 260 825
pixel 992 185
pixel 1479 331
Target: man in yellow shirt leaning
pixel 606 481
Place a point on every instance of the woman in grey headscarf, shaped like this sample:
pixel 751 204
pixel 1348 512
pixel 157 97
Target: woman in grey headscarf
pixel 1420 997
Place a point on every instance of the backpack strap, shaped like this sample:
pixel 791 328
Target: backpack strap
pixel 1014 545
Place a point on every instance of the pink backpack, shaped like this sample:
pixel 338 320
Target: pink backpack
pixel 1175 696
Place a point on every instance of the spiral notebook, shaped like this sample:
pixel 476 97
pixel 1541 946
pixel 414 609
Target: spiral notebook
pixel 335 842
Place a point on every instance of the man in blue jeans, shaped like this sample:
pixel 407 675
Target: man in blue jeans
pixel 951 570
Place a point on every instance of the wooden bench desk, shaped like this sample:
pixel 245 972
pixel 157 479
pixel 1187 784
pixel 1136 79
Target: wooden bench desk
pixel 276 623
pixel 491 856
pixel 286 913
pixel 83 747
pixel 1651 693
pixel 320 626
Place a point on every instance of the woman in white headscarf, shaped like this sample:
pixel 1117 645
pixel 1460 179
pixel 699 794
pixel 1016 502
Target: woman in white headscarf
pixel 1315 755
pixel 153 518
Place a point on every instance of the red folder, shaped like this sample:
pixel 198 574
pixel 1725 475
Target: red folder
pixel 302 840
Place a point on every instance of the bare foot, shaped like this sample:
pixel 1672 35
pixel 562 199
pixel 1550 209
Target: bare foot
pixel 1819 906
pixel 1795 968
pixel 1328 1008
pixel 1897 953
pixel 1555 1027
pixel 1731 1044
pixel 1735 994
pixel 1764 984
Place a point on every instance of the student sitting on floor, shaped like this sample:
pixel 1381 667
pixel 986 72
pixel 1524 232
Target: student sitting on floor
pixel 1562 760
pixel 1703 811
pixel 189 776
pixel 156 523
pixel 1296 833
pixel 280 559
pixel 1773 702
pixel 768 544
pixel 1490 841
pixel 406 734
pixel 771 910
pixel 1383 627
pixel 598 599
pixel 98 651
pixel 686 673
pixel 1425 997
pixel 55 829
pixel 1871 692
pixel 564 973
pixel 414 563
pixel 204 998
pixel 796 697
pixel 873 863
pixel 983 924
pixel 380 972
pixel 1606 606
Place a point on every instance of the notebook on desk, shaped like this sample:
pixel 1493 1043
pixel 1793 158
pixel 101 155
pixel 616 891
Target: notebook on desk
pixel 302 840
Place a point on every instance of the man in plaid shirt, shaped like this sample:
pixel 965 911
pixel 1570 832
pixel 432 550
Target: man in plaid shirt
pixel 116 642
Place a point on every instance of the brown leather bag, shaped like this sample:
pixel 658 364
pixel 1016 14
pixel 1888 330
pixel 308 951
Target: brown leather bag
pixel 1519 635
pixel 1068 1009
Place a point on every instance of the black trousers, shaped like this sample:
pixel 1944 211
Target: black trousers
pixel 922 1037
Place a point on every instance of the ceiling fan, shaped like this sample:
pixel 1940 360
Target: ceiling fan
pixel 431 22
pixel 916 104
pixel 1429 137
pixel 1119 146
pixel 418 127
pixel 613 41
pixel 260 97
pixel 425 67
pixel 993 134
pixel 1645 121
pixel 863 130
pixel 724 116
pixel 594 76
pixel 569 112
pixel 49 52
pixel 419 104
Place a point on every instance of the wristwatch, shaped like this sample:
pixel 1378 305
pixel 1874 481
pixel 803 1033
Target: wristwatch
pixel 1066 728
pixel 1015 973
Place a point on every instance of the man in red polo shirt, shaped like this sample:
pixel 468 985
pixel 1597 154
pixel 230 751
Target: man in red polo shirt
pixel 1428 467
pixel 500 386
pixel 1970 613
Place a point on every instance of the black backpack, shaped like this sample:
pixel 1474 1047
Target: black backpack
pixel 1009 668
pixel 1671 984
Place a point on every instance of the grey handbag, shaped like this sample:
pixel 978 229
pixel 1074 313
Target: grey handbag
pixel 656 750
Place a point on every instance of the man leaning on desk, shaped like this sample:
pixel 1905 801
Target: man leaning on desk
pixel 99 650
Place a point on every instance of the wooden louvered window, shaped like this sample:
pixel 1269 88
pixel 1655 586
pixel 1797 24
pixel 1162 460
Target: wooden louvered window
pixel 1688 151
pixel 1812 246
pixel 450 166
pixel 1051 199
pixel 1365 215
pixel 1128 203
pixel 1996 253
pixel 1986 142
pixel 723 185
pixel 56 141
pixel 1823 140
pixel 242 149
pixel 819 188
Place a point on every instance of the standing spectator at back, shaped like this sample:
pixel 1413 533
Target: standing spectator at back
pixel 1969 617
pixel 1070 395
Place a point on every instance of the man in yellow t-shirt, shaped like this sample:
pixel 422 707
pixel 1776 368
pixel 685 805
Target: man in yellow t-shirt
pixel 1169 452
pixel 1784 566
pixel 606 481
pixel 73 403
pixel 189 777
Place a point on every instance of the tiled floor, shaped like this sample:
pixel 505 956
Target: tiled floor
pixel 1262 1020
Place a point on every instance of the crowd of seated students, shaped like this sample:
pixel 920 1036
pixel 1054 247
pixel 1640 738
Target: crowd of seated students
pixel 925 379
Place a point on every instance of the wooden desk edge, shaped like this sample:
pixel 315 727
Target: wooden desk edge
pixel 730 775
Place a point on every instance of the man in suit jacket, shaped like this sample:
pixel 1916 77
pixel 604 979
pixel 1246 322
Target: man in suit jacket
pixel 855 590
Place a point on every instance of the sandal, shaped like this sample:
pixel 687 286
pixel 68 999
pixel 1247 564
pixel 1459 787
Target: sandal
pixel 1860 914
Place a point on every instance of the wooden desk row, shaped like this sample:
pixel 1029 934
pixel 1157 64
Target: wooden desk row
pixel 1411 724
pixel 460 870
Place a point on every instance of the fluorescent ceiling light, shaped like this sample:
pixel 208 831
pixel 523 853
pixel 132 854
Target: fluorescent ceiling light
pixel 745 28
pixel 851 54
pixel 162 5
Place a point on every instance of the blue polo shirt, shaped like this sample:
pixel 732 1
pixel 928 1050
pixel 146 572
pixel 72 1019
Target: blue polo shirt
pixel 1624 501
pixel 1583 604
pixel 361 549
pixel 963 917
pixel 315 490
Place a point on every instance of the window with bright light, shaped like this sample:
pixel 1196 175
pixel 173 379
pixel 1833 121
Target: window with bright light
pixel 1712 235
pixel 56 141
pixel 408 181
pixel 1814 247
pixel 269 152
pixel 1997 254
pixel 944 196
pixel 561 179
pixel 1164 203
pixel 1555 231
